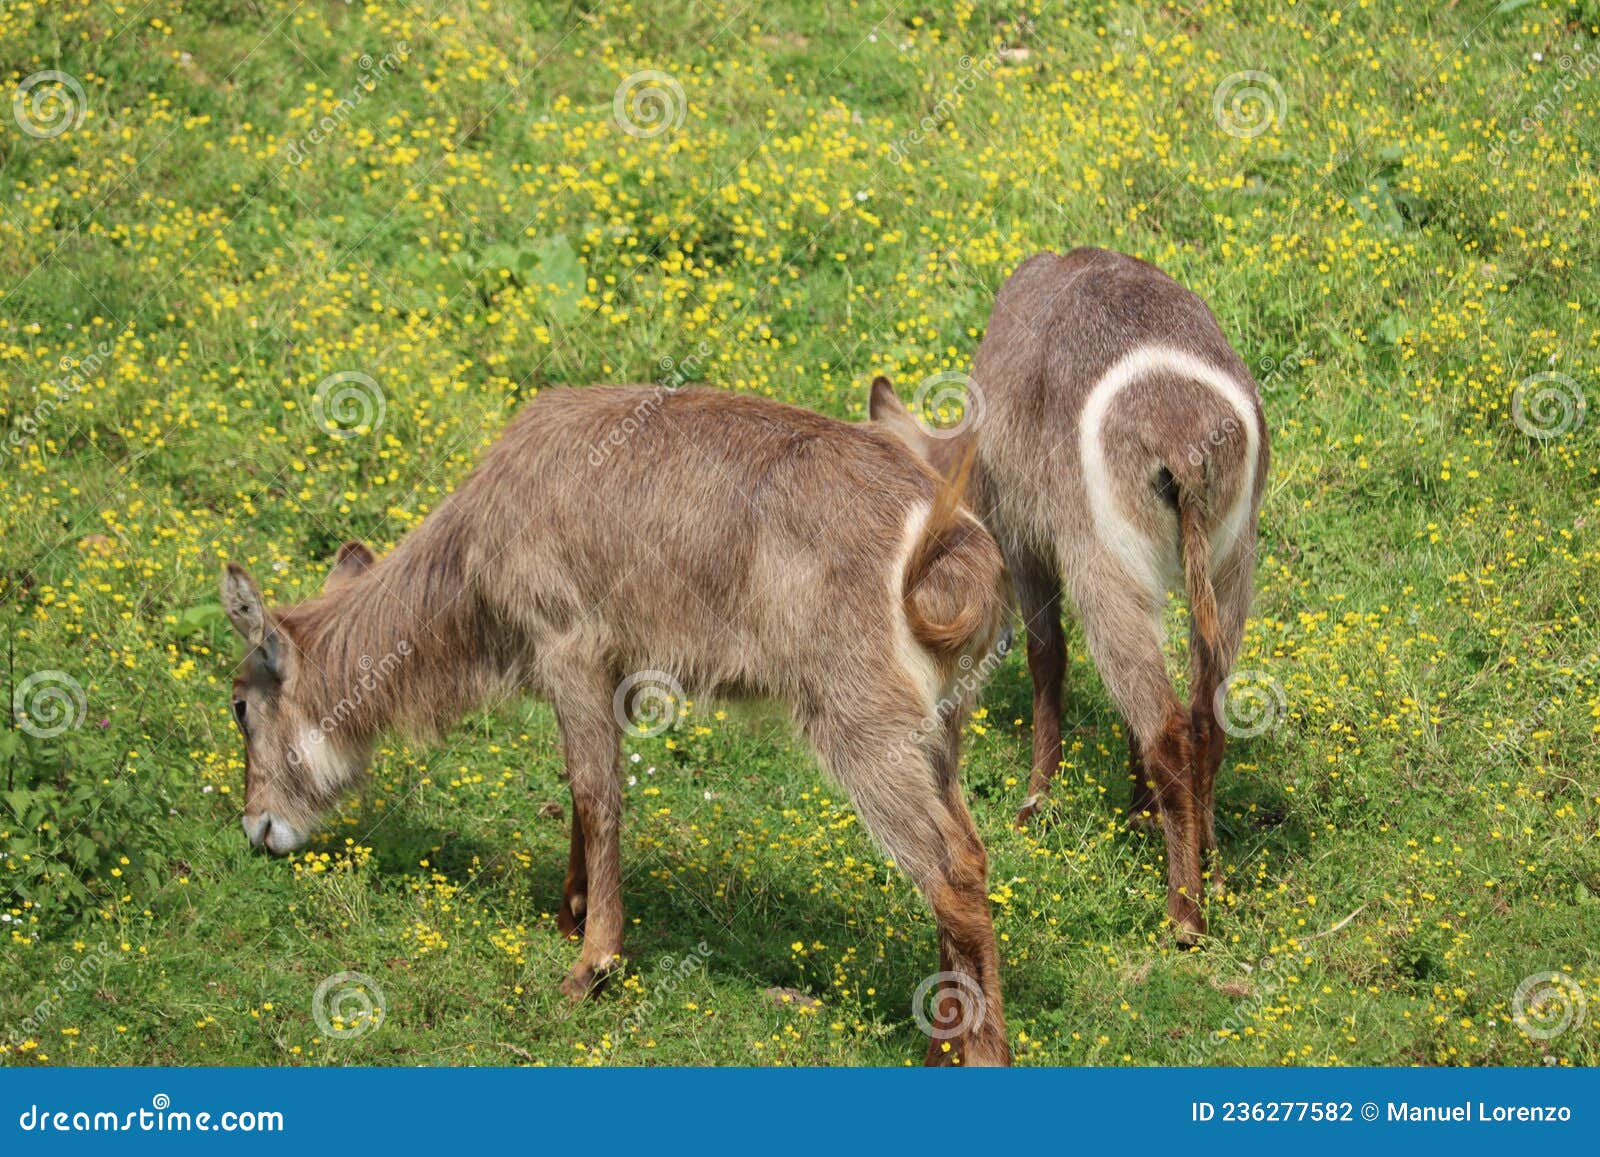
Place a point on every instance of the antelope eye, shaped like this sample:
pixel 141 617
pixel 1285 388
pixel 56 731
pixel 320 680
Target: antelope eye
pixel 238 714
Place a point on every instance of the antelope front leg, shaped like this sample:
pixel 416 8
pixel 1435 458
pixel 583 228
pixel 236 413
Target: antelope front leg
pixel 575 888
pixel 589 737
pixel 1141 792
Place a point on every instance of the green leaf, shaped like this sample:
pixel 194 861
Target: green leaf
pixel 554 268
pixel 200 619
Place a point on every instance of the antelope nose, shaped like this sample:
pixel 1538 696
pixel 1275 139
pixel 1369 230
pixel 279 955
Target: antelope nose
pixel 256 828
pixel 272 833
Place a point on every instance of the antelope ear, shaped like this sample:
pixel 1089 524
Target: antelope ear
pixel 890 412
pixel 354 559
pixel 241 600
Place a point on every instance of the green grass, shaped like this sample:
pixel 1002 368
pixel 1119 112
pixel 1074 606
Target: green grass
pixel 1410 238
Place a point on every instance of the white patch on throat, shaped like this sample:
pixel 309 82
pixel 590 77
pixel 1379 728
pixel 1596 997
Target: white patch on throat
pixel 328 765
pixel 1147 561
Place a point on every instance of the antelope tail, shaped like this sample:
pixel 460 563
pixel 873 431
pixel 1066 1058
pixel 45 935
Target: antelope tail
pixel 1194 545
pixel 953 567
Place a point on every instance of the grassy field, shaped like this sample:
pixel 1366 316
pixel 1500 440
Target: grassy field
pixel 273 274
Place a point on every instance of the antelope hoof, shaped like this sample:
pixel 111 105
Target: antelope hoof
pixel 1191 933
pixel 1031 807
pixel 586 980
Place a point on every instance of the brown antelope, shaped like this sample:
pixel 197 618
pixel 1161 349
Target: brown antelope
pixel 728 544
pixel 1120 445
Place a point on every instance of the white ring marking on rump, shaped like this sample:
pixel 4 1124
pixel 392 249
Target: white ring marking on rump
pixel 1141 557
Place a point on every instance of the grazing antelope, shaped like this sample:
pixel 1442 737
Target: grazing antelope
pixel 1120 445
pixel 723 543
